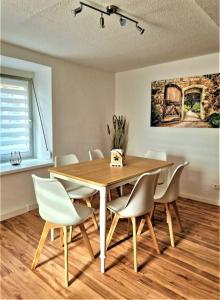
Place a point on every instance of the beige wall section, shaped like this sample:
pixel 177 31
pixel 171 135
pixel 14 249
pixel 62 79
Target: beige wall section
pixel 82 100
pixel 17 193
pixel 199 146
pixel 82 104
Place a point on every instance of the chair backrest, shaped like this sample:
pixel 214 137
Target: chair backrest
pixel 66 160
pixel 95 154
pixel 172 192
pixel 63 160
pixel 141 199
pixel 160 155
pixel 54 203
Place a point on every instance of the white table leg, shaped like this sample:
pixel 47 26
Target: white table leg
pixel 102 222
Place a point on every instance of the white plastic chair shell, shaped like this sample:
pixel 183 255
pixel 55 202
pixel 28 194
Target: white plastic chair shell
pixel 95 154
pixel 67 159
pixel 75 191
pixel 55 205
pixel 63 160
pixel 160 155
pixel 172 192
pixel 141 199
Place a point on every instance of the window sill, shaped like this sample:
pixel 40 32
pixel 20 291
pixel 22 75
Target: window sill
pixel 28 164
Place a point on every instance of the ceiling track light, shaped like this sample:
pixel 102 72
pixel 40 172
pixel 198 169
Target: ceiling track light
pixel 77 10
pixel 111 9
pixel 102 21
pixel 122 21
pixel 140 29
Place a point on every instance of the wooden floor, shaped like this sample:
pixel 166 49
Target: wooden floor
pixel 189 271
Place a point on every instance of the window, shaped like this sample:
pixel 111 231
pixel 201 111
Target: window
pixel 15 117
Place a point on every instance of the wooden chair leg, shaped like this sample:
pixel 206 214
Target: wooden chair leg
pixel 118 191
pixel 141 227
pixel 152 214
pixel 110 199
pixel 65 255
pixel 109 196
pixel 61 237
pixel 111 230
pixel 121 190
pixel 170 225
pixel 129 226
pixel 111 215
pixel 40 245
pixel 149 224
pixel 86 240
pixel 133 220
pixel 70 234
pixel 71 227
pixel 88 203
pixel 177 216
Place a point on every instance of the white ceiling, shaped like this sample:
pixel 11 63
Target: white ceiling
pixel 174 29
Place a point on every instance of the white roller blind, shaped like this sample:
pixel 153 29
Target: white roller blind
pixel 15 118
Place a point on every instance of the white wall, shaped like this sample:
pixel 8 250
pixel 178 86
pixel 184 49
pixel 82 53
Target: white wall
pixel 82 104
pixel 197 145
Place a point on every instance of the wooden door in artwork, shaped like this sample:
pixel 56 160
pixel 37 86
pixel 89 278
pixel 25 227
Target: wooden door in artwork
pixel 172 103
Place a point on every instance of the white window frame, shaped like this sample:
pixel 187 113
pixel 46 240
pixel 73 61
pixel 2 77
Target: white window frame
pixel 30 154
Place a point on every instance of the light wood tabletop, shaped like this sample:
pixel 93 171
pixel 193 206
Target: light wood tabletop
pixel 100 172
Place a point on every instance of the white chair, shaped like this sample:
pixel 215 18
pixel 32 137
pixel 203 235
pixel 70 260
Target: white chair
pixel 98 154
pixel 56 208
pixel 139 203
pixel 168 198
pixel 162 180
pixel 76 191
pixel 95 154
pixel 160 155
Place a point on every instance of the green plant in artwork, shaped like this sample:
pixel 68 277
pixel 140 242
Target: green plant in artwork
pixel 214 120
pixel 118 132
pixel 196 107
pixel 186 108
pixel 155 116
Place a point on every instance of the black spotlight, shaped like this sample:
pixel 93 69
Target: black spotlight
pixel 141 30
pixel 77 10
pixel 102 21
pixel 122 21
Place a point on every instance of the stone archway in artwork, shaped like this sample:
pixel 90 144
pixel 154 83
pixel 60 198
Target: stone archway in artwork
pixel 196 88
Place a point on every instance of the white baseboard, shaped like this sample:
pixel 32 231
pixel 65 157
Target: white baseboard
pixel 201 199
pixel 18 212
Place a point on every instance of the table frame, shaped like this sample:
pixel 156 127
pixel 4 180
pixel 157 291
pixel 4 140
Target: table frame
pixel 103 190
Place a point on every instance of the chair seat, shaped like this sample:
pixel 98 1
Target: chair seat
pixel 117 204
pixel 83 211
pixel 81 192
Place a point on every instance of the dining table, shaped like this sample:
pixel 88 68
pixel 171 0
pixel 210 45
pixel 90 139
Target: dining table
pixel 100 175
